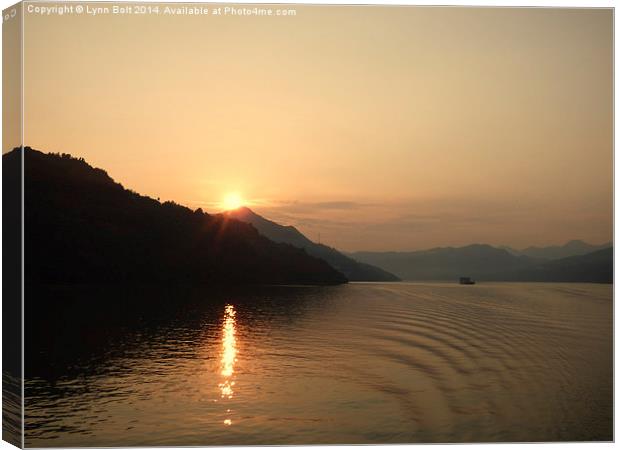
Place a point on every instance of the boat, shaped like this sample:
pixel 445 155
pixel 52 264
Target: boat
pixel 466 280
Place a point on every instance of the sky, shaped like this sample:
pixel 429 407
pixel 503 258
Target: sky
pixel 379 128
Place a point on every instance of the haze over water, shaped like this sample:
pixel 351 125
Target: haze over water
pixel 357 363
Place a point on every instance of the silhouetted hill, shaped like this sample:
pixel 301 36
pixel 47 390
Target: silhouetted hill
pixel 444 263
pixel 82 227
pixel 571 248
pixel 484 262
pixel 353 270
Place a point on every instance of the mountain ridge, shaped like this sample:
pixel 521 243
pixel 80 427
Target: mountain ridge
pixel 83 227
pixel 354 270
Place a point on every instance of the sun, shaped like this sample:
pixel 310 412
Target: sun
pixel 232 201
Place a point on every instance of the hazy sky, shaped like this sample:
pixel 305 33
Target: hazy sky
pixel 382 128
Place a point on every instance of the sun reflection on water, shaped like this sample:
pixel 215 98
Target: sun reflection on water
pixel 229 355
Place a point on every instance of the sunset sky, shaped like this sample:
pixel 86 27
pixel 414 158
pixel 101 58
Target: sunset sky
pixel 381 128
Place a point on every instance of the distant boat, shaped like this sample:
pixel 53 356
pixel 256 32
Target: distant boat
pixel 466 280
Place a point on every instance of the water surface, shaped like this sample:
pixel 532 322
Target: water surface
pixel 358 363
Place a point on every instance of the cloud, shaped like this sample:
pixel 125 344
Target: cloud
pixel 299 207
pixel 425 222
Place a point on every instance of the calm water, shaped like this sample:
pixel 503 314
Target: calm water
pixel 360 363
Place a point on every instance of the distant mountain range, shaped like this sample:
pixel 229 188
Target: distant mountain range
pixel 82 227
pixel 444 263
pixel 595 267
pixel 352 269
pixel 484 262
pixel 571 248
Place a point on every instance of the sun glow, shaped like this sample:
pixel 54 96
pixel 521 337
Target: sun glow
pixel 232 201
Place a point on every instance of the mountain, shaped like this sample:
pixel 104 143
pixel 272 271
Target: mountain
pixel 571 248
pixel 352 269
pixel 444 263
pixel 83 227
pixel 595 267
pixel 484 262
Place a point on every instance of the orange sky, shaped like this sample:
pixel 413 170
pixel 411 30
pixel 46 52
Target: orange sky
pixel 382 128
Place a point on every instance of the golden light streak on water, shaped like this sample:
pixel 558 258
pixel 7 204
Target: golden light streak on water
pixel 229 342
pixel 229 355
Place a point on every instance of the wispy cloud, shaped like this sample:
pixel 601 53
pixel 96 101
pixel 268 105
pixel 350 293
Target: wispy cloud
pixel 301 207
pixel 417 223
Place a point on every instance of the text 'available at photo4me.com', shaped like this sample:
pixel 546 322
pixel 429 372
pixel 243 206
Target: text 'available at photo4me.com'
pixel 155 9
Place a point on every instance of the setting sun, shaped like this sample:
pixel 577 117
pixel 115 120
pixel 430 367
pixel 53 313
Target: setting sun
pixel 232 201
